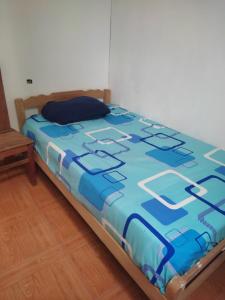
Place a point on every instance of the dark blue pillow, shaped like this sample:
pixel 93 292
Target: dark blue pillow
pixel 74 110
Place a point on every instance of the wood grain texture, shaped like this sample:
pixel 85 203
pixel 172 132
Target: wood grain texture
pixel 13 139
pixel 48 252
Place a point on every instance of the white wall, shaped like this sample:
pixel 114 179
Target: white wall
pixel 167 57
pixel 61 45
pixel 168 63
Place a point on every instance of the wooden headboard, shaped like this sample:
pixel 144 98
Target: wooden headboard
pixel 39 101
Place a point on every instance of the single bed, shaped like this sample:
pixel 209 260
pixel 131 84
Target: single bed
pixel 154 196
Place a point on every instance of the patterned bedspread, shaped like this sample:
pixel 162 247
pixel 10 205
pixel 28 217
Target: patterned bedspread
pixel 158 192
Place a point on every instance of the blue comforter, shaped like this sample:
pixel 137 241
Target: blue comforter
pixel 158 192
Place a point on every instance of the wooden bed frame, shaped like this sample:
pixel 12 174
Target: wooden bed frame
pixel 180 286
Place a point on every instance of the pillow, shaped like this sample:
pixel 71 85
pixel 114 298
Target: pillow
pixel 74 110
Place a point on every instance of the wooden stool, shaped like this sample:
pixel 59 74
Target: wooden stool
pixel 17 150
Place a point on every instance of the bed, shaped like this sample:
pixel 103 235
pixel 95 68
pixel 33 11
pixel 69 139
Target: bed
pixel 154 196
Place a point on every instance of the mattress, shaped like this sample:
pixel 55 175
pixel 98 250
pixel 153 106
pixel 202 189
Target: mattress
pixel 158 192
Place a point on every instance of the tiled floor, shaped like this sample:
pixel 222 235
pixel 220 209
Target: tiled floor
pixel 48 252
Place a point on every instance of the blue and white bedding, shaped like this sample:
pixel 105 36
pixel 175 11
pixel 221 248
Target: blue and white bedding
pixel 158 192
